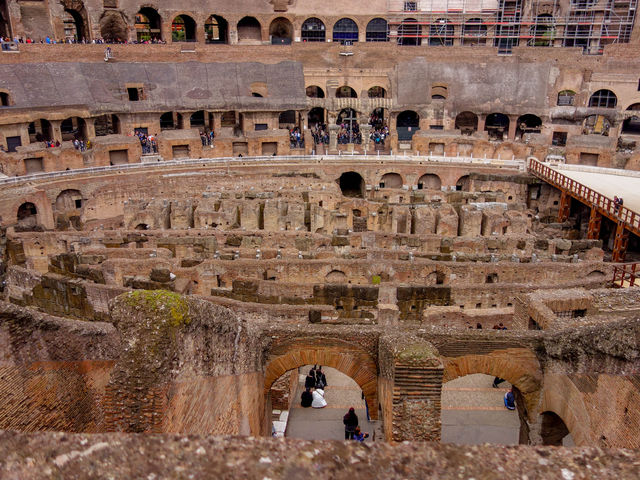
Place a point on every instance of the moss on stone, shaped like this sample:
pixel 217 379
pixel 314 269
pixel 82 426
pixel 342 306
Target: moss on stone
pixel 416 352
pixel 170 305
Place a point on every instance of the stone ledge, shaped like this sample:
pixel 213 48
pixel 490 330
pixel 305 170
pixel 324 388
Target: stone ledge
pixel 59 455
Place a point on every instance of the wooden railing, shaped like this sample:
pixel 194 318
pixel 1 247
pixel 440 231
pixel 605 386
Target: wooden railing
pixel 626 275
pixel 603 204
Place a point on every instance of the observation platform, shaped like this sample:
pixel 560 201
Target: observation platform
pixel 595 187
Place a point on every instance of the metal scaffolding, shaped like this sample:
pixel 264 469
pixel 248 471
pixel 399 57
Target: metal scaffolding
pixel 589 24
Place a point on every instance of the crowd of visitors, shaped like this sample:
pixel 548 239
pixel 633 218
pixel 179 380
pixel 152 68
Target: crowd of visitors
pixel 314 385
pixel 51 143
pixel 207 138
pixel 617 203
pixel 48 40
pixel 81 145
pixel 352 430
pixel 320 134
pixel 148 142
pixel 379 130
pixel 349 133
pixel 295 138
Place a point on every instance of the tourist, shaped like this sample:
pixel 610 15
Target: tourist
pixel 479 326
pixel 359 435
pixel 321 380
pixel 510 400
pixel 350 421
pixel 306 399
pixel 318 399
pixel 310 381
pixel 497 381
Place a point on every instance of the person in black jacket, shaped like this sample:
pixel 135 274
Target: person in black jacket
pixel 310 381
pixel 321 380
pixel 307 398
pixel 350 421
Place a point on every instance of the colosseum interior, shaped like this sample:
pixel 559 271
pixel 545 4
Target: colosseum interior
pixel 200 200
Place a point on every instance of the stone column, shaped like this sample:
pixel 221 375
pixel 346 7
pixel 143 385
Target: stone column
pixel 365 129
pixel 89 128
pixel 410 388
pixel 481 121
pixel 186 120
pixel 56 133
pixel 333 139
pixel 513 125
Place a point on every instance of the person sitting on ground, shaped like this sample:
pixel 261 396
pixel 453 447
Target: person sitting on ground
pixel 350 421
pixel 318 399
pixel 321 379
pixel 306 398
pixel 510 400
pixel 310 381
pixel 359 435
pixel 497 381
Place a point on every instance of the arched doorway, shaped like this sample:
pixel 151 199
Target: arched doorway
pixel 27 216
pixel 467 123
pixel 281 31
pixel 429 181
pixel 407 124
pixel 73 128
pixel 5 23
pixel 473 412
pixel 497 126
pixel 40 131
pixel 197 119
pixel 410 32
pixel 216 30
pixel 314 91
pixel 313 30
pixel 377 92
pixel 183 29
pixel 528 124
pixel 554 431
pixel 75 26
pixel 463 184
pixel 391 180
pixel 345 31
pixel 148 25
pixel 631 125
pixel 249 30
pixel 317 116
pixel 167 121
pixel 107 125
pixel 352 184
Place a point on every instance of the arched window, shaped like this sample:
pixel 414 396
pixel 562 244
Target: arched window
pixel 410 32
pixel 148 24
pixel 566 98
pixel 313 30
pixel 407 123
pixel 167 121
pixel 528 124
pixel 216 30
pixel 441 33
pixel 378 30
pixel 197 119
pixel 439 92
pixel 346 92
pixel 467 123
pixel 497 125
pixel 603 99
pixel 345 30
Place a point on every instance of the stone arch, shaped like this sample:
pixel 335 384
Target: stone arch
pixel 346 92
pixel 183 28
pixel 344 357
pixel 76 22
pixel 5 20
pixel 281 31
pixel 519 366
pixel 345 30
pixel 73 128
pixel 249 30
pixel 69 199
pixel 107 125
pixel 27 216
pixel 464 183
pixel 377 92
pixel 497 125
pixel 113 26
pixel 528 124
pixel 429 181
pixel 467 123
pixel 148 25
pixel 313 30
pixel 407 123
pixel 351 184
pixel 603 99
pixel 335 276
pixel 314 91
pixel 561 397
pixel 377 30
pixel 391 180
pixel 216 30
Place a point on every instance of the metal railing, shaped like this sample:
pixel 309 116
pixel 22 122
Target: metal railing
pixel 626 275
pixel 604 204
pixel 235 161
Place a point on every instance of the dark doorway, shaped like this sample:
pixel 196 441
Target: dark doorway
pixel 352 184
pixel 407 124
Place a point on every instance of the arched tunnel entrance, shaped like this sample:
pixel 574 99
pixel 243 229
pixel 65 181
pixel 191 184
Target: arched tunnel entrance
pixel 352 184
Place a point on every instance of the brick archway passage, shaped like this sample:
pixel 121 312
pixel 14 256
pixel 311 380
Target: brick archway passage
pixel 345 358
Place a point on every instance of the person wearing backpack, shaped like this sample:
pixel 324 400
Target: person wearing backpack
pixel 350 421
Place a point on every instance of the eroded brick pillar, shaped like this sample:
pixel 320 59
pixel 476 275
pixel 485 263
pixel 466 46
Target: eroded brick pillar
pixel 410 388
